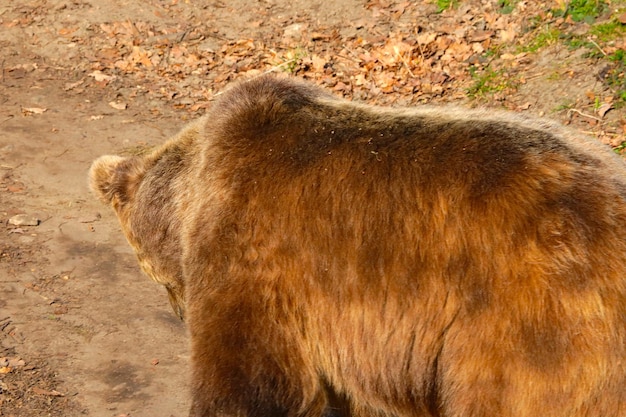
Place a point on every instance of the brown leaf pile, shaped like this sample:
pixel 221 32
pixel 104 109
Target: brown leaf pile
pixel 395 56
pixel 406 52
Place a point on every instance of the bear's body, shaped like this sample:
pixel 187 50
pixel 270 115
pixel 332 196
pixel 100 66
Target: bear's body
pixel 337 259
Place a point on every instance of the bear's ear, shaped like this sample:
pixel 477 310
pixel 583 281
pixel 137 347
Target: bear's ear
pixel 115 179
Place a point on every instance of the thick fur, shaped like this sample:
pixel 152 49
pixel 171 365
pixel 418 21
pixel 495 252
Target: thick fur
pixel 332 258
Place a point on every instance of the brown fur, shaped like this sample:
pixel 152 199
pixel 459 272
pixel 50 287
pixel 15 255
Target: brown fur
pixel 336 259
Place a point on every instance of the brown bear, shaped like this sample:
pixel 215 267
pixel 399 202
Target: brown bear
pixel 332 258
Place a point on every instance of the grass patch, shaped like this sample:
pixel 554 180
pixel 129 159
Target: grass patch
pixel 609 31
pixel 507 6
pixel 546 36
pixel 618 57
pixel 615 77
pixel 565 106
pixel 582 10
pixel 446 4
pixel 619 149
pixel 602 33
pixel 554 76
pixel 291 60
pixel 575 42
pixel 488 81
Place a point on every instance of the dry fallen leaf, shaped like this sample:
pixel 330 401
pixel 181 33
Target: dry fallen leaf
pixel 117 105
pixel 100 76
pixel 67 31
pixel 53 393
pixel 604 109
pixel 508 35
pixel 16 188
pixel 140 56
pixel 11 362
pixel 33 110
pixel 71 86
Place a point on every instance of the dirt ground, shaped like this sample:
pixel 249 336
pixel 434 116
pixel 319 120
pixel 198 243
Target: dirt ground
pixel 82 331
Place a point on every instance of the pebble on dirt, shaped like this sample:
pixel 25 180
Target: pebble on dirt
pixel 24 220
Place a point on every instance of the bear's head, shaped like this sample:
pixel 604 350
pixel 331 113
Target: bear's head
pixel 140 197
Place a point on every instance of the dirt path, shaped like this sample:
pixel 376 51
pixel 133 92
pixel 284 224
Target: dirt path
pixel 74 305
pixel 82 331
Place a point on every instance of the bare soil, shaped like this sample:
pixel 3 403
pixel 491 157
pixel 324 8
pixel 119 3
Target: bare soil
pixel 82 331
